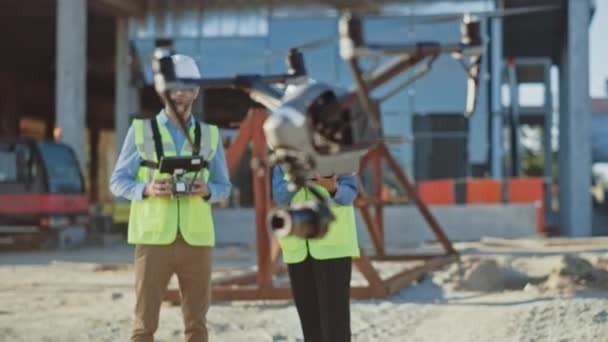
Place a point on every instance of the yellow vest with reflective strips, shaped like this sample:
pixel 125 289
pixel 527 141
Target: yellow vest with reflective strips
pixel 154 220
pixel 340 240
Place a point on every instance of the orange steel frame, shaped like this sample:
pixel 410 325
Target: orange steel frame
pixel 258 284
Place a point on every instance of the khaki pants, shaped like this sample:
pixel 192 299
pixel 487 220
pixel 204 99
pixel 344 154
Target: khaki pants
pixel 154 265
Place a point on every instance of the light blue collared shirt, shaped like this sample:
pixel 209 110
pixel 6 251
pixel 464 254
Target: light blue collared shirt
pixel 123 184
pixel 345 194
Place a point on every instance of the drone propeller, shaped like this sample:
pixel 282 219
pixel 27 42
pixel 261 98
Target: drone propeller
pixel 442 18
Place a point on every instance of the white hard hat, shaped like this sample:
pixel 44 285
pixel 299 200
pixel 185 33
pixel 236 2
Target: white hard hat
pixel 185 66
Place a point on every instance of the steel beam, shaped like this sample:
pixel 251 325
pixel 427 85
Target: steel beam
pixel 575 124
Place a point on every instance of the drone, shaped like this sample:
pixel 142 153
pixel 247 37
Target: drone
pixel 316 128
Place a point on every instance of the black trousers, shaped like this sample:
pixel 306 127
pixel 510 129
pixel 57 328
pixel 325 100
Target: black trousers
pixel 321 291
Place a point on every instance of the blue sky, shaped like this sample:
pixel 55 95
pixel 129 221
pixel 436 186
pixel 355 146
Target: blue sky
pixel 598 46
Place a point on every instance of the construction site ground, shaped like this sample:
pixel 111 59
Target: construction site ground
pixel 501 290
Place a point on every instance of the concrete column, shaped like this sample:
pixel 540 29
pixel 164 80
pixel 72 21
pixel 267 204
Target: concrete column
pixel 496 69
pixel 124 103
pixel 575 124
pixel 70 86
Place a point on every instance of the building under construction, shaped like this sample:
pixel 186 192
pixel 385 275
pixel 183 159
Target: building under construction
pixel 78 70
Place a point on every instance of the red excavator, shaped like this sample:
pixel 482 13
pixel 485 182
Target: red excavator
pixel 43 203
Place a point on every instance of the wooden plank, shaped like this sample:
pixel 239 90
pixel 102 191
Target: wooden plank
pixel 540 243
pixel 512 243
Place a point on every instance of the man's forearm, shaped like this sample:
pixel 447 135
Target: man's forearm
pixel 346 192
pixel 122 181
pixel 128 189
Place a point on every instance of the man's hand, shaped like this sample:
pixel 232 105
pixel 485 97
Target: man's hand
pixel 329 183
pixel 159 188
pixel 199 188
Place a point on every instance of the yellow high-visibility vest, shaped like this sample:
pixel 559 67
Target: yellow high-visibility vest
pixel 340 240
pixel 154 220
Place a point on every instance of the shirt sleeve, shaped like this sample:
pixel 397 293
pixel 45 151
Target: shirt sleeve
pixel 122 181
pixel 219 179
pixel 347 190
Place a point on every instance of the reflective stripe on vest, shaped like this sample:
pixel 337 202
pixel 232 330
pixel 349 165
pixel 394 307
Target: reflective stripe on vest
pixel 156 220
pixel 340 240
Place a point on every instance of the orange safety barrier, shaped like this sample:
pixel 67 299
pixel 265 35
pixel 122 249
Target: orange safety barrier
pixel 437 192
pixel 525 190
pixel 484 191
pixel 529 190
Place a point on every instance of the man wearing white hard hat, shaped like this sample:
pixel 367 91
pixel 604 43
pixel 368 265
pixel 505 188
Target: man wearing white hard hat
pixel 172 234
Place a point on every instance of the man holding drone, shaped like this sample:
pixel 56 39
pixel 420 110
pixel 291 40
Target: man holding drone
pixel 170 220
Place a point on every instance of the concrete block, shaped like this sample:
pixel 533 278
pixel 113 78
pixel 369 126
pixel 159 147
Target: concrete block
pixel 405 225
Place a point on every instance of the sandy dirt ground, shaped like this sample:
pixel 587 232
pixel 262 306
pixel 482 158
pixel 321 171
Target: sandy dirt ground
pixel 496 293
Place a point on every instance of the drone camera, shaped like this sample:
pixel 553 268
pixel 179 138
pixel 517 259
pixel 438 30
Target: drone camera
pixel 309 220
